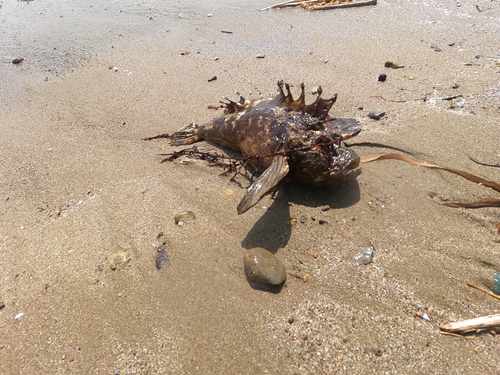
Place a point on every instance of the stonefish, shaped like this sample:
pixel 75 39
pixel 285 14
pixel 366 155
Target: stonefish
pixel 294 142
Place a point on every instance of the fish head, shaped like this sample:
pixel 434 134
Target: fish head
pixel 317 157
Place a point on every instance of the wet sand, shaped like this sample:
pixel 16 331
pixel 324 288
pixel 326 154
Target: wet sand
pixel 78 185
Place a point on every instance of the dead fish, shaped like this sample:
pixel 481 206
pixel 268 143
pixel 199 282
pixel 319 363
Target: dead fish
pixel 296 142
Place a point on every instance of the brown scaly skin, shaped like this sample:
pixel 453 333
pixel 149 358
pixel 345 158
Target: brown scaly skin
pixel 281 124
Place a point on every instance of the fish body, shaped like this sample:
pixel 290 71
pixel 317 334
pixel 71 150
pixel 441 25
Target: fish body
pixel 294 142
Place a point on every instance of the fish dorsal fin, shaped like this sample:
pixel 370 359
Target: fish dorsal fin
pixel 266 183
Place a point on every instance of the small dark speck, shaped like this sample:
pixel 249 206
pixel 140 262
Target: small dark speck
pixel 145 191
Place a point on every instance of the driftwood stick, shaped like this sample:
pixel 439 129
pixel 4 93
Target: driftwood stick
pixel 345 5
pixel 464 326
pixel 294 3
pixel 474 204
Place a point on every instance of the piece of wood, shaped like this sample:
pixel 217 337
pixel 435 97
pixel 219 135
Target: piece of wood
pixel 345 5
pixel 473 204
pixel 294 3
pixel 464 326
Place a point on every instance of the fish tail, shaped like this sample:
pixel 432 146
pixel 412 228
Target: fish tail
pixel 186 135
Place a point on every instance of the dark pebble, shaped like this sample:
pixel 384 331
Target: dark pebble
pixel 212 79
pixel 376 114
pixel 323 222
pixel 455 86
pixel 17 61
pixel 2 305
pixel 162 257
pixel 382 77
pixel 262 267
pixel 291 320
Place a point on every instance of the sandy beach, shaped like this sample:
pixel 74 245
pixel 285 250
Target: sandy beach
pixel 78 184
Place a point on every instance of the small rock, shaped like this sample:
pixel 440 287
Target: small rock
pixel 18 316
pixel 260 56
pixel 376 114
pixel 212 79
pixel 365 256
pixel 322 222
pixel 162 257
pixel 17 61
pixel 262 267
pixel 455 86
pixel 325 208
pixel 303 219
pixel 184 218
pixel 382 77
pixel 2 305
pixel 435 47
pixel 306 278
pixel 119 260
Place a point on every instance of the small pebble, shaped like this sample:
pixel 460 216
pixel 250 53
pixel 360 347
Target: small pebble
pixel 382 77
pixel 306 277
pixel 17 61
pixel 119 260
pixel 376 114
pixel 303 219
pixel 260 56
pixel 162 257
pixel 212 79
pixel 365 256
pixel 325 208
pixel 229 192
pixel 262 267
pixel 18 316
pixel 322 222
pixel 455 86
pixel 184 218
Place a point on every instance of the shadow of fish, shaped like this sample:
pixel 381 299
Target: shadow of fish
pixel 295 142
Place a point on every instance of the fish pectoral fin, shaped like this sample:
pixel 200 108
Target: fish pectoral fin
pixel 266 183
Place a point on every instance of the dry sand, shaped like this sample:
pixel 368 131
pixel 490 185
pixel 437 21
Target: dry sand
pixel 78 184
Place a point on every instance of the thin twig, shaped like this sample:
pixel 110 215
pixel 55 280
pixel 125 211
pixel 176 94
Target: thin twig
pixel 484 290
pixel 457 335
